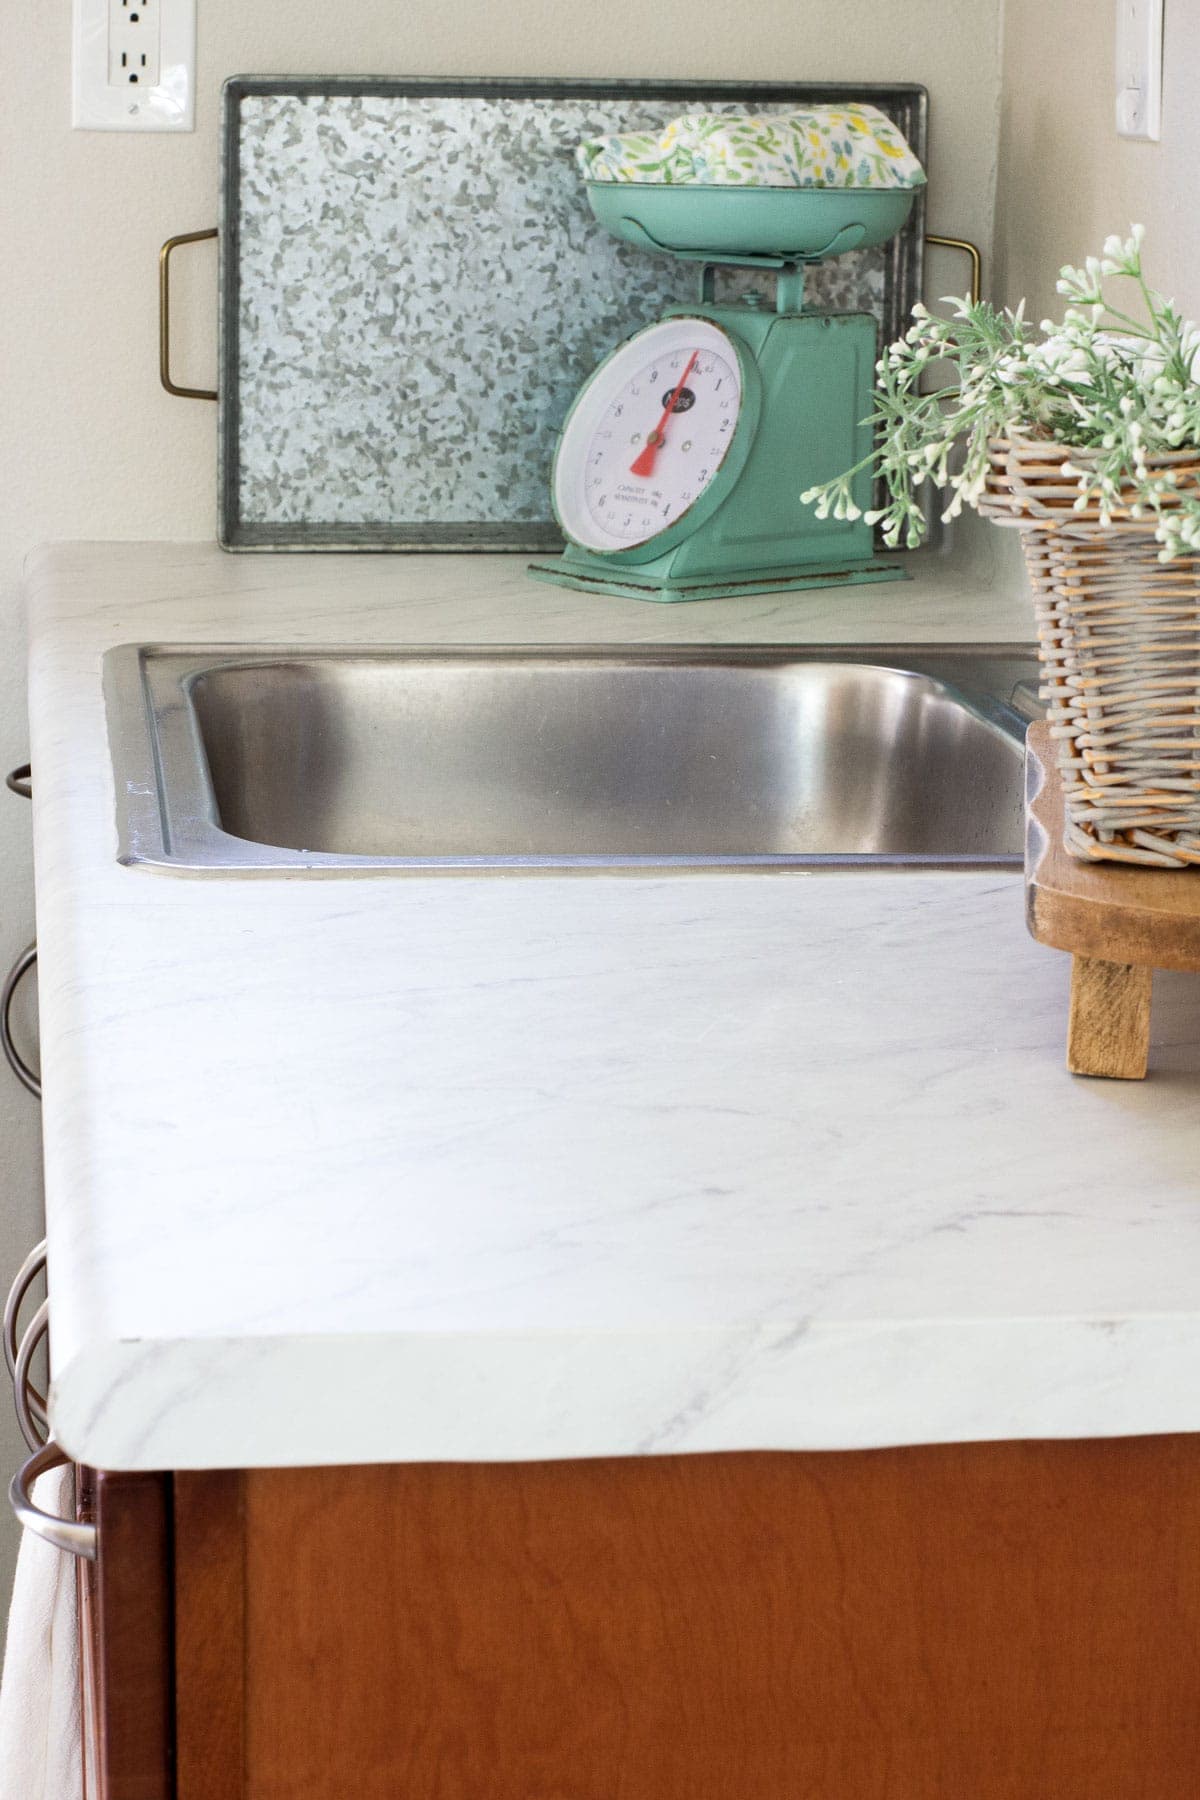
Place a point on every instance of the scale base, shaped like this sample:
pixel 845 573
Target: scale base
pixel 630 584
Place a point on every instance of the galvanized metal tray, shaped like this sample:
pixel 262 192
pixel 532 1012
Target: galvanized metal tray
pixel 413 288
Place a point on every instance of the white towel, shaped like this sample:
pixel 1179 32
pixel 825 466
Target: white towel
pixel 40 1750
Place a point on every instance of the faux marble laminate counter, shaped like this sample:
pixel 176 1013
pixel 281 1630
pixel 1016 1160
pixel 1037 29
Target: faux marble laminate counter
pixel 423 1168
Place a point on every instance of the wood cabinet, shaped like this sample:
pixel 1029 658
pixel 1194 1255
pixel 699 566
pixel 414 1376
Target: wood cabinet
pixel 127 1648
pixel 969 1622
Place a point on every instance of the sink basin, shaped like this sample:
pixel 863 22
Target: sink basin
pixel 231 759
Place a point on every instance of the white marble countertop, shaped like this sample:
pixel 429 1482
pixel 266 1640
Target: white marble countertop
pixel 420 1168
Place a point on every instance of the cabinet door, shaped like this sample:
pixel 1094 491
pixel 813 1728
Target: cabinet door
pixel 962 1622
pixel 126 1647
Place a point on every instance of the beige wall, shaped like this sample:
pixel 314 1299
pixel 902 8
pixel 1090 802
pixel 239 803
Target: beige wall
pixel 1066 179
pixel 90 446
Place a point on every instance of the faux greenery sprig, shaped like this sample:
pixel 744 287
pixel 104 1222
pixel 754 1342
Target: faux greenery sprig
pixel 1118 385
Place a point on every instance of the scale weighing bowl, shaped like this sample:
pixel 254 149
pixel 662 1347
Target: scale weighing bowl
pixel 744 223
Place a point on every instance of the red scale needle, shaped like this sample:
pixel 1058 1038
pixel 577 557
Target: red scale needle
pixel 645 462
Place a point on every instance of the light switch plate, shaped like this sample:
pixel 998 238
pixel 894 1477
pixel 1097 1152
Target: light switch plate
pixel 112 89
pixel 1139 68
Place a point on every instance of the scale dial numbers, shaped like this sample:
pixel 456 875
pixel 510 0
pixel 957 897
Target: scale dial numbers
pixel 648 435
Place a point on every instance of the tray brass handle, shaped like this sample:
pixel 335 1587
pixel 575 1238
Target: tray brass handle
pixel 20 781
pixel 164 315
pixel 968 249
pixel 70 1535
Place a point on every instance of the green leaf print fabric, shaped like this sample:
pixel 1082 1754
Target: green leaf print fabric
pixel 816 147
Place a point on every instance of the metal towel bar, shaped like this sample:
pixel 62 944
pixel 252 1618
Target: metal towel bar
pixel 28 1077
pixel 72 1535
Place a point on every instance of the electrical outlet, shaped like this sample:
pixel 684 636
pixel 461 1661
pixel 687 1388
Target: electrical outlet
pixel 134 46
pixel 134 65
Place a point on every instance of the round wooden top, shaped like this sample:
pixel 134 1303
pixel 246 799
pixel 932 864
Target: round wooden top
pixel 1116 912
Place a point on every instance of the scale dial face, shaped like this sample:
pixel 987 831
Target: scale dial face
pixel 648 434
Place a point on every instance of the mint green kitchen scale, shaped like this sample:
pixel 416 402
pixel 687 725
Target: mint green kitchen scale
pixel 679 469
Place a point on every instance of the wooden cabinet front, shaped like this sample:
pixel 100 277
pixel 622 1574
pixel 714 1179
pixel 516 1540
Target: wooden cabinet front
pixel 975 1622
pixel 126 1638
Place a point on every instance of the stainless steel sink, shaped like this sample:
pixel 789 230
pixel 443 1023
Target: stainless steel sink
pixel 241 760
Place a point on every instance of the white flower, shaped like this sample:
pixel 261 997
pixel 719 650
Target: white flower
pixel 1117 396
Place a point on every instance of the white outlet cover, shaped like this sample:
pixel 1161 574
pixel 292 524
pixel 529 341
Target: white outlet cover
pixel 1139 68
pixel 100 104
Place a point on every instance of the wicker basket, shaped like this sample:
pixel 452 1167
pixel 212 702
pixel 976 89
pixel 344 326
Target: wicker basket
pixel 1119 642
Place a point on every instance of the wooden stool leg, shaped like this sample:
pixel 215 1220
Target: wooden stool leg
pixel 1109 1030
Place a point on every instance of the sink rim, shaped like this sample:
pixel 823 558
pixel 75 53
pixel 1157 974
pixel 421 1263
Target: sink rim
pixel 172 828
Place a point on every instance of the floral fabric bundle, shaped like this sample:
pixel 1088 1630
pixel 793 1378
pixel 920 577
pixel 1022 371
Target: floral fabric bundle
pixel 814 147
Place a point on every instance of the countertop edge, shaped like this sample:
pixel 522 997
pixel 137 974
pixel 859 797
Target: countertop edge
pixel 447 1396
